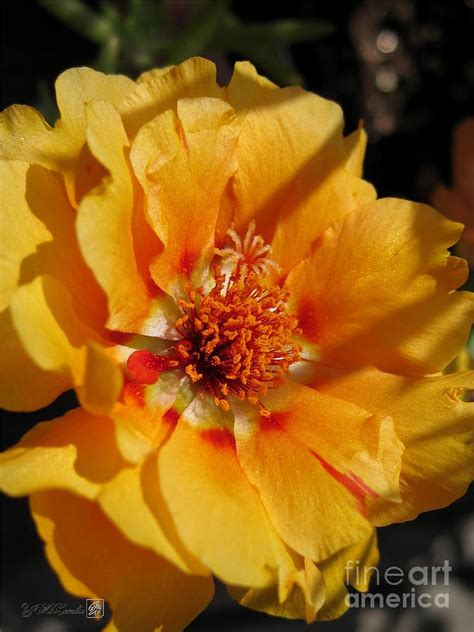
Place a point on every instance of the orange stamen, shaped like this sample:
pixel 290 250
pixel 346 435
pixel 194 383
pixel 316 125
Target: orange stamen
pixel 237 339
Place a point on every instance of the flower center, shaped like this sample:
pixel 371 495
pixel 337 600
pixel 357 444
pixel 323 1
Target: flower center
pixel 238 338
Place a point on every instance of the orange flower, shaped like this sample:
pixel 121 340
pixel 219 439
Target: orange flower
pixel 256 343
pixel 458 202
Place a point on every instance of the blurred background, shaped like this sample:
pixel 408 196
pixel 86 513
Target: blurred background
pixel 406 68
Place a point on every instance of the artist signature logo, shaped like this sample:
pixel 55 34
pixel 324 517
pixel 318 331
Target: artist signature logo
pixel 94 608
pixel 58 609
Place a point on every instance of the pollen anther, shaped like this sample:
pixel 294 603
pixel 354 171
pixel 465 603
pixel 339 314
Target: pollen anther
pixel 238 339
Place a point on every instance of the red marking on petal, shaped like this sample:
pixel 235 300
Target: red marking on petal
pixel 276 421
pixel 309 320
pixel 118 337
pixel 219 437
pixel 133 392
pixel 152 289
pixel 358 481
pixel 145 367
pixel 171 416
pixel 352 483
pixel 186 263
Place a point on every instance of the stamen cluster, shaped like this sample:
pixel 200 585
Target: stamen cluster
pixel 238 338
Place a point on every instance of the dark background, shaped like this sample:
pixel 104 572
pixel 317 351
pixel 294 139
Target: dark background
pixel 409 99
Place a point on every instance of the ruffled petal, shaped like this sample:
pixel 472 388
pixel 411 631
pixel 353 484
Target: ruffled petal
pixel 354 147
pixel 145 415
pixel 20 230
pixel 353 565
pixel 305 597
pixel 359 449
pixel 59 148
pixel 92 559
pixel 102 380
pixel 49 330
pixel 309 507
pixel 58 254
pixel 37 236
pixel 104 227
pixel 77 86
pixel 57 341
pixel 282 130
pixel 160 90
pixel 183 161
pixel 316 592
pixel 322 193
pixel 76 452
pixel 433 422
pixel 130 502
pixel 216 512
pixel 23 385
pixel 376 291
pixel 155 73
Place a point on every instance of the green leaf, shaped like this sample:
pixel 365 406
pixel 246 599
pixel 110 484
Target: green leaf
pixel 79 18
pixel 108 59
pixel 287 31
pixel 199 32
pixel 267 43
pixel 235 34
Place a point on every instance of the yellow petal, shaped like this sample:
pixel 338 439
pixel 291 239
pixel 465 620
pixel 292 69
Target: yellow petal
pixel 305 598
pixel 376 291
pixel 38 237
pixel 24 135
pixel 308 506
pixel 361 450
pixel 355 565
pixel 322 193
pixel 247 89
pixel 77 86
pixel 102 381
pixel 104 229
pixel 58 254
pixel 433 423
pixel 92 559
pixel 154 73
pixel 355 145
pixel 216 512
pixel 183 162
pixel 160 91
pixel 145 415
pixel 129 500
pixel 20 230
pixel 35 218
pixel 23 385
pixel 49 330
pixel 57 341
pixel 317 592
pixel 282 130
pixel 76 452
